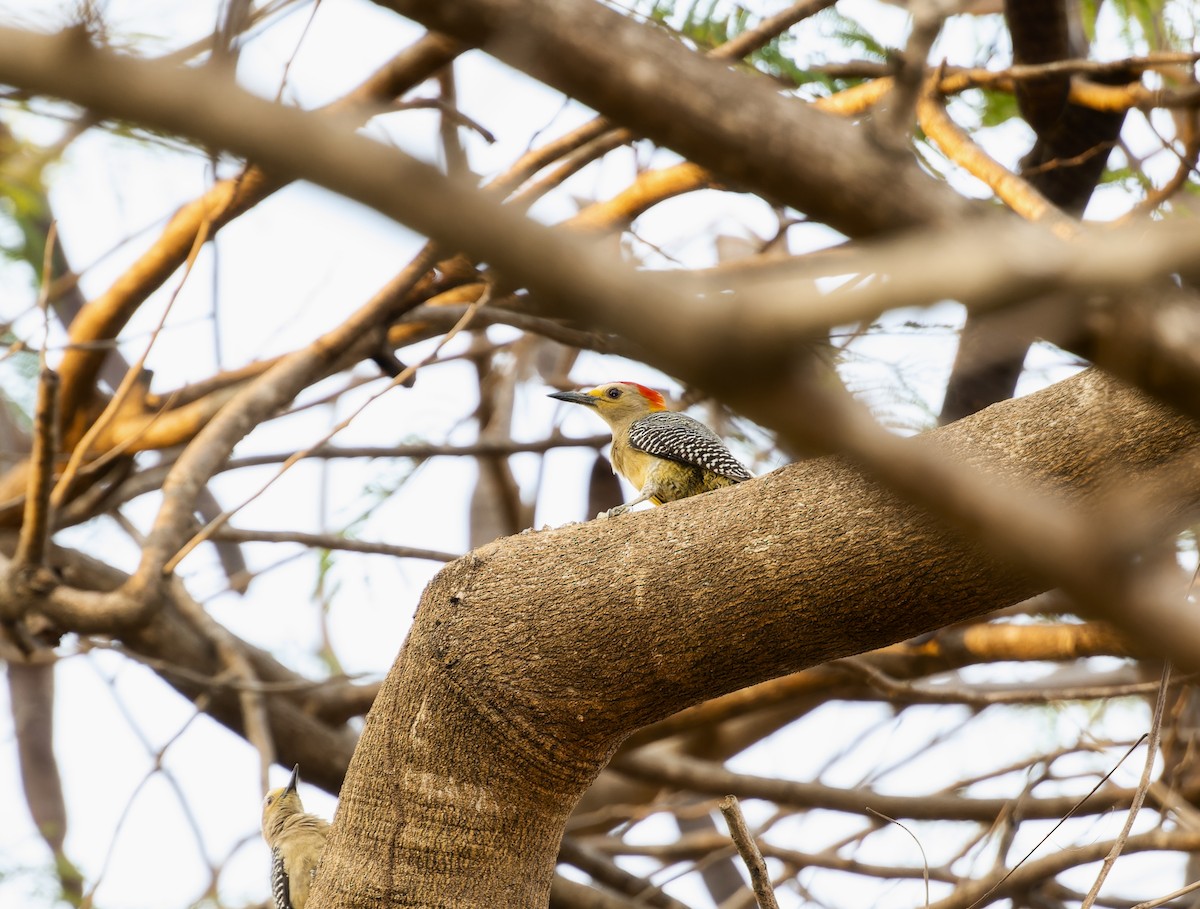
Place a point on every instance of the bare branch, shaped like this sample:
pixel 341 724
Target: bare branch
pixel 711 778
pixel 760 880
pixel 331 541
pixel 1140 793
pixel 106 314
pixel 734 124
pixel 961 149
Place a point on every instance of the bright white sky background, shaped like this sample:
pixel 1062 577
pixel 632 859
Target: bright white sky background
pixel 304 245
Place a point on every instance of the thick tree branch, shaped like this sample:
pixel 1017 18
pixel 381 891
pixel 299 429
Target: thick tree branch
pixel 547 649
pixel 1007 262
pixel 735 124
pixel 581 280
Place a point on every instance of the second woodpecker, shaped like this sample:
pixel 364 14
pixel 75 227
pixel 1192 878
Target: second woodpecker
pixel 296 840
pixel 664 454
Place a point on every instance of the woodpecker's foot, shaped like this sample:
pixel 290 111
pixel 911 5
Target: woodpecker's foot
pixel 614 511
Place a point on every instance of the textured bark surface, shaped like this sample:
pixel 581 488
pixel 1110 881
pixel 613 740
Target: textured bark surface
pixel 532 658
pixel 739 126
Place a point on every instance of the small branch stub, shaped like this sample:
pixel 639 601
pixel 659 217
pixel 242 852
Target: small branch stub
pixel 760 880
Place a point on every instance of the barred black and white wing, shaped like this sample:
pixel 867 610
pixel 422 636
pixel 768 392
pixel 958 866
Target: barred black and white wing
pixel 676 436
pixel 280 890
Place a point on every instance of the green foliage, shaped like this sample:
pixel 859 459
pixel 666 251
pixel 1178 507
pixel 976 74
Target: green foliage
pixel 18 380
pixel 1142 23
pixel 710 23
pixel 1087 13
pixel 993 107
pixel 1133 181
pixel 852 36
pixel 24 211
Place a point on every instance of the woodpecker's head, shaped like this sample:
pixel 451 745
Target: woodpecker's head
pixel 619 403
pixel 281 804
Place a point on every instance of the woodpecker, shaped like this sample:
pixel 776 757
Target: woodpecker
pixel 665 455
pixel 296 840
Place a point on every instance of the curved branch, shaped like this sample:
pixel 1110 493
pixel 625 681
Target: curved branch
pixel 735 124
pixel 104 316
pixel 546 649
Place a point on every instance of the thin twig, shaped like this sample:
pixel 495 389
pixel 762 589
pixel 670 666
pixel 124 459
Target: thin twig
pixel 1163 900
pixel 760 880
pixel 225 681
pixel 1139 795
pixel 287 66
pixel 982 696
pixel 916 839
pixel 219 521
pixel 449 111
pixel 752 39
pixel 1011 871
pixel 132 376
pixel 230 650
pixel 157 766
pixel 332 541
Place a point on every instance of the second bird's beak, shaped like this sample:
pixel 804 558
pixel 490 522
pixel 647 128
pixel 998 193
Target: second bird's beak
pixel 573 397
pixel 293 780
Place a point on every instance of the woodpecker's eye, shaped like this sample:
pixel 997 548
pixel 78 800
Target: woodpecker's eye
pixel 614 393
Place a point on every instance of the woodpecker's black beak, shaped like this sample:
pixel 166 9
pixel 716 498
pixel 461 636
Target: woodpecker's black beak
pixel 574 397
pixel 293 780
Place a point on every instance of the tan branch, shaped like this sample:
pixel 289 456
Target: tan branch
pixel 259 400
pixel 857 99
pixel 960 148
pixel 132 376
pixel 30 556
pixel 37 521
pixel 105 315
pixel 648 190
